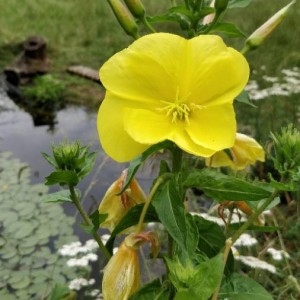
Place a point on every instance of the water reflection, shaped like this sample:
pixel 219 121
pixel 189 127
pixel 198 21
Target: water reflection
pixel 20 135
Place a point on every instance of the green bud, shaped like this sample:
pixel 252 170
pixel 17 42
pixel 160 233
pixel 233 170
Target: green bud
pixel 124 17
pixel 220 6
pixel 136 7
pixel 71 157
pixel 286 152
pixel 260 34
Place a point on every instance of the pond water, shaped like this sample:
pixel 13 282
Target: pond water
pixel 19 135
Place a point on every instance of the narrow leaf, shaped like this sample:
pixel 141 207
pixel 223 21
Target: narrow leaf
pixel 243 97
pixel 137 162
pixel 221 187
pixel 238 3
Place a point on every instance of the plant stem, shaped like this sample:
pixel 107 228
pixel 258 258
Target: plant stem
pixel 228 245
pixel 148 25
pixel 254 216
pixel 87 221
pixel 158 182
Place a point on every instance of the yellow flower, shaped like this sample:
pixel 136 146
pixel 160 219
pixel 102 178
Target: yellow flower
pixel 116 206
pixel 245 151
pixel 164 87
pixel 121 277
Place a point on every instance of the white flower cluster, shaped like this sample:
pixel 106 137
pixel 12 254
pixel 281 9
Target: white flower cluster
pixel 245 240
pixel 256 263
pixel 78 283
pixel 278 254
pixel 76 248
pixel 285 86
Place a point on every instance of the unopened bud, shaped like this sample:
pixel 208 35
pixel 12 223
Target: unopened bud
pixel 124 17
pixel 220 6
pixel 136 7
pixel 260 34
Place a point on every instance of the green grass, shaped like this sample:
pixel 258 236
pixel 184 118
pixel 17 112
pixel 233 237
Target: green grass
pixel 87 33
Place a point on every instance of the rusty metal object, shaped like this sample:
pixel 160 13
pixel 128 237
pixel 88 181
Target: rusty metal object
pixel 31 62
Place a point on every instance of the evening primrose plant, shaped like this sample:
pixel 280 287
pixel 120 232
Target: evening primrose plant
pixel 173 95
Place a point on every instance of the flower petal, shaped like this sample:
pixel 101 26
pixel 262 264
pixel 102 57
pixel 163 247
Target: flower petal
pixel 136 73
pixel 213 127
pixel 150 127
pixel 114 139
pixel 214 73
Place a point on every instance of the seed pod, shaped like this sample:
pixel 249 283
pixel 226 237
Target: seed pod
pixel 136 7
pixel 124 17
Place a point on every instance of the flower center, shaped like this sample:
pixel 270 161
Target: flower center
pixel 177 111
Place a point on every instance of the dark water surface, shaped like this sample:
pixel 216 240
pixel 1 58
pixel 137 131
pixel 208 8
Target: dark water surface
pixel 19 135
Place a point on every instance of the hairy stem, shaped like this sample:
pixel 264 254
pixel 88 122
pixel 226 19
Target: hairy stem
pixel 87 221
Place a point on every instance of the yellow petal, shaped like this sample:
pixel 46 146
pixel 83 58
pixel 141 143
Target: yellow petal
pixel 114 139
pixel 121 276
pixel 213 127
pixel 219 159
pixel 136 73
pixel 214 73
pixel 146 126
pixel 152 128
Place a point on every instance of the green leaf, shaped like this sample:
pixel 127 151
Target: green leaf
pixel 50 159
pixel 151 291
pixel 200 280
pixel 62 177
pixel 170 209
pixel 60 196
pixel 131 219
pixel 221 187
pixel 238 3
pixel 208 276
pixel 212 240
pixel 240 287
pixel 230 29
pixel 97 219
pixel 243 97
pixel 137 162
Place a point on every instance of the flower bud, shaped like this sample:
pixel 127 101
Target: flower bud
pixel 136 8
pixel 124 17
pixel 245 151
pixel 116 205
pixel 260 34
pixel 121 276
pixel 209 18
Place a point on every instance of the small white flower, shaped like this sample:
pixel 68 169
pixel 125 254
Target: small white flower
pixel 245 240
pixel 77 284
pixel 278 254
pixel 105 238
pixel 256 263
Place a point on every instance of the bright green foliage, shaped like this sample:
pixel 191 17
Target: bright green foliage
pixel 45 89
